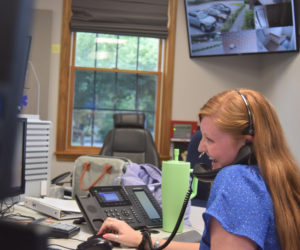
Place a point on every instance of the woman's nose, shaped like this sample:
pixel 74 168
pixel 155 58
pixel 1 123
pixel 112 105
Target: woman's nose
pixel 201 147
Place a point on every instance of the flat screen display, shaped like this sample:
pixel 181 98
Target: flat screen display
pixel 240 27
pixel 110 197
pixel 17 183
pixel 146 204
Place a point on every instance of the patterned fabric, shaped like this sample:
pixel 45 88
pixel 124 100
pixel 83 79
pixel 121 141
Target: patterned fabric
pixel 241 202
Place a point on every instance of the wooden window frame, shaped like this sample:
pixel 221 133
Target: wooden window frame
pixel 64 151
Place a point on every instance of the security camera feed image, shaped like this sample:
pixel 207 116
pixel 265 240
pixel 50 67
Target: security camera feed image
pixel 240 27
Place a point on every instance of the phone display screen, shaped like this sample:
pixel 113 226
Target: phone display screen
pixel 110 196
pixel 147 204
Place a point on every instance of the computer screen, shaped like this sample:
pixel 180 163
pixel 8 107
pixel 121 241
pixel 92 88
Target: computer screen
pixel 17 185
pixel 15 21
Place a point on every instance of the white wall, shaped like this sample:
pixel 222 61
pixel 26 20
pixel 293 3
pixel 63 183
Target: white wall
pixel 197 79
pixel 281 85
pixel 56 7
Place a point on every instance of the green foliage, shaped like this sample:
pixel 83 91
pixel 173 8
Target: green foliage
pixel 207 47
pixel 112 51
pixel 229 22
pixel 196 2
pixel 106 51
pixel 249 20
pixel 148 54
pixel 85 49
pixel 127 52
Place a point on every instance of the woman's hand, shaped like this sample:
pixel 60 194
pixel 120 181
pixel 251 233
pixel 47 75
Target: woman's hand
pixel 119 231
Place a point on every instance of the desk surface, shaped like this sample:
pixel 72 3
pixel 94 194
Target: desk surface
pixel 195 218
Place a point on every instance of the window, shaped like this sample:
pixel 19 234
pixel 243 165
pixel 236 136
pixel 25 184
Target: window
pixel 148 88
pixel 112 74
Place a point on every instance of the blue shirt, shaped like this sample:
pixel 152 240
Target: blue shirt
pixel 241 202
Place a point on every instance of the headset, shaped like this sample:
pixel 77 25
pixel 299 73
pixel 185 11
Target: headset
pixel 204 172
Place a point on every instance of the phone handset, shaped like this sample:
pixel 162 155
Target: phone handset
pixel 204 172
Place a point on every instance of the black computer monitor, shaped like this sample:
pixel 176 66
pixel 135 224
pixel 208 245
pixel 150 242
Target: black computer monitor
pixel 15 19
pixel 17 185
pixel 15 22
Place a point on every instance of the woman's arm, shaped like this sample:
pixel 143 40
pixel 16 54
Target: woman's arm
pixel 221 239
pixel 177 245
pixel 119 231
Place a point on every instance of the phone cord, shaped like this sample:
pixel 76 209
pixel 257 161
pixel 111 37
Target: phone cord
pixel 181 214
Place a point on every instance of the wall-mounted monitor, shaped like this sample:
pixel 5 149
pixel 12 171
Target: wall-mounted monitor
pixel 226 27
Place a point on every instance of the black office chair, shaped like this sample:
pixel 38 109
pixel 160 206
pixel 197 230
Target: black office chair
pixel 130 139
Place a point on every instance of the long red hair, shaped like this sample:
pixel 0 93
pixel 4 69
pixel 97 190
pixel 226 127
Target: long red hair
pixel 275 161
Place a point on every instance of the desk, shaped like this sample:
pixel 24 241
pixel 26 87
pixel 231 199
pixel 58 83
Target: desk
pixel 196 214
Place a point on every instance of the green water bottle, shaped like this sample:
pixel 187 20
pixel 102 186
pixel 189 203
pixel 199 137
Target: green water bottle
pixel 174 187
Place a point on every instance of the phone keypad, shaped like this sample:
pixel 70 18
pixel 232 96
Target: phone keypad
pixel 135 215
pixel 126 214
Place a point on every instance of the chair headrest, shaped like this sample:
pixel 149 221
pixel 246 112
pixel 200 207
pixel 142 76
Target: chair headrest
pixel 129 120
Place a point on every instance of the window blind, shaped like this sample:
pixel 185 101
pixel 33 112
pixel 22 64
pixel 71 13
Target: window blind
pixel 148 18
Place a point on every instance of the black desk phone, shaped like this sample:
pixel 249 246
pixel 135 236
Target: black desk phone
pixel 134 204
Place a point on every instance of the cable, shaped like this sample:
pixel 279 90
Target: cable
pixel 21 218
pixel 38 84
pixel 5 210
pixel 181 214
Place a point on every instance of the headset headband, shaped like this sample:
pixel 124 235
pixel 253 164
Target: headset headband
pixel 250 130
